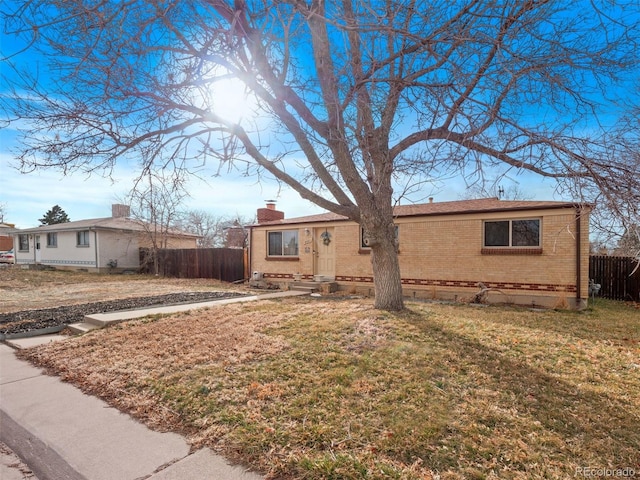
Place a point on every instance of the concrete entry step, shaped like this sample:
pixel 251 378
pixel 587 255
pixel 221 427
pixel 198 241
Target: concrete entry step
pixel 312 286
pixel 305 286
pixel 82 327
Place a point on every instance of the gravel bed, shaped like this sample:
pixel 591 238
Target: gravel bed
pixel 46 318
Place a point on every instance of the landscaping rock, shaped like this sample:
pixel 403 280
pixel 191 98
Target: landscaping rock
pixel 47 318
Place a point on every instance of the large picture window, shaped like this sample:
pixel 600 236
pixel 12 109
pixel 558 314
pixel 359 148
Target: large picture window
pixel 512 233
pixel 283 243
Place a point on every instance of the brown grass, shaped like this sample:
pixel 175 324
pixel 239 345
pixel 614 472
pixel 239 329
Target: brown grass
pixel 31 289
pixel 332 388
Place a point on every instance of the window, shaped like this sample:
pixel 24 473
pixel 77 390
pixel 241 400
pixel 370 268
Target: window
pixel 52 239
pixel 512 233
pixel 283 243
pixel 23 241
pixel 82 238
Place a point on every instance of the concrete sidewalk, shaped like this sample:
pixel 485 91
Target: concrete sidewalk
pixel 63 434
pixel 110 317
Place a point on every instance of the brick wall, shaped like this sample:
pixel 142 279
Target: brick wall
pixel 442 256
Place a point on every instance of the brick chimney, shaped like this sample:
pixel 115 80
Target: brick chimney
pixel 120 211
pixel 269 214
pixel 235 236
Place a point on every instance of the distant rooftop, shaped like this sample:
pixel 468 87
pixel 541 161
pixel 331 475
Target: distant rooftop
pixel 108 223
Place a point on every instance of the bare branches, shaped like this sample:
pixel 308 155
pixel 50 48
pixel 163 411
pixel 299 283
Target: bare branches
pixel 345 91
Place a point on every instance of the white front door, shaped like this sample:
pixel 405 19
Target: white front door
pixel 37 248
pixel 325 252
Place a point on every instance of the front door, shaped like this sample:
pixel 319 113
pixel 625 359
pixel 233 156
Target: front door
pixel 37 248
pixel 325 252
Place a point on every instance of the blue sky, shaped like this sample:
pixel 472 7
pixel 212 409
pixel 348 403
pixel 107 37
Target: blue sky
pixel 27 196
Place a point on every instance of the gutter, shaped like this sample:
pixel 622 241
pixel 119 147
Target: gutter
pixel 95 247
pixel 578 256
pixel 250 250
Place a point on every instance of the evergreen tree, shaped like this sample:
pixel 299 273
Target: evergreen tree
pixel 54 216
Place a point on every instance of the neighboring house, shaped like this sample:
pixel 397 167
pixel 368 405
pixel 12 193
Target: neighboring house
pixel 6 236
pixel 100 244
pixel 526 252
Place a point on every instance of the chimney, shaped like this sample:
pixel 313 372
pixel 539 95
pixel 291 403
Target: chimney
pixel 235 236
pixel 269 214
pixel 430 199
pixel 120 211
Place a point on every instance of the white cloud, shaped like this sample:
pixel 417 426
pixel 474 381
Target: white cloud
pixel 27 197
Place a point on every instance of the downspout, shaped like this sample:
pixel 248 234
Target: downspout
pixel 95 241
pixel 249 249
pixel 578 257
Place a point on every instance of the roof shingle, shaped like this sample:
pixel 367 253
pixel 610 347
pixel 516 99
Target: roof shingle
pixel 442 208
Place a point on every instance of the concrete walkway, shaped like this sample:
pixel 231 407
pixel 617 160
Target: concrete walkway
pixel 64 434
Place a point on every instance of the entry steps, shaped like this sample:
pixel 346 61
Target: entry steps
pixel 311 286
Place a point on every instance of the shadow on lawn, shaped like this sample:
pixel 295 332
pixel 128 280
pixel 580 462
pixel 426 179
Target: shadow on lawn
pixel 605 320
pixel 592 426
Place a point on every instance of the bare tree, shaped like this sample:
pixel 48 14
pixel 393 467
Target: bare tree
pixel 154 201
pixel 212 229
pixel 480 190
pixel 629 243
pixel 204 224
pixel 352 98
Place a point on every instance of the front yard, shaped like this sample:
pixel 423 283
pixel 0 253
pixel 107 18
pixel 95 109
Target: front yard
pixel 330 388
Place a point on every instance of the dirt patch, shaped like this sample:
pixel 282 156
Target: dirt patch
pixel 31 289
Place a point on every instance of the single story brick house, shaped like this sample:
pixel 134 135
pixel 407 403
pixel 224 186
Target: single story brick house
pixel 99 244
pixel 526 252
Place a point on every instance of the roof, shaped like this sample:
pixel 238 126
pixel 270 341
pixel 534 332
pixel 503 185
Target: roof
pixel 459 207
pixel 108 223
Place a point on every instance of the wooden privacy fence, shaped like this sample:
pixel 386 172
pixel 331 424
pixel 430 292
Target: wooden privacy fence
pixel 226 264
pixel 614 276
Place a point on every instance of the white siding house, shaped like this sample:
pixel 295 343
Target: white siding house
pixel 100 244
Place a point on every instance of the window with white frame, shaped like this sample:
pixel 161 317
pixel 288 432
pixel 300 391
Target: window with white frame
pixel 23 242
pixel 52 239
pixel 282 243
pixel 82 238
pixel 512 233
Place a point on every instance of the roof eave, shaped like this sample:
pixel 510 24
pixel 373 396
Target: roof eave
pixel 506 208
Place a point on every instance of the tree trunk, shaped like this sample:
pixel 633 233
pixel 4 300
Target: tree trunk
pixel 380 232
pixel 386 277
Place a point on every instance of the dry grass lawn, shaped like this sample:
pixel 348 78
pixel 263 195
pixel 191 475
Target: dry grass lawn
pixel 31 289
pixel 331 388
